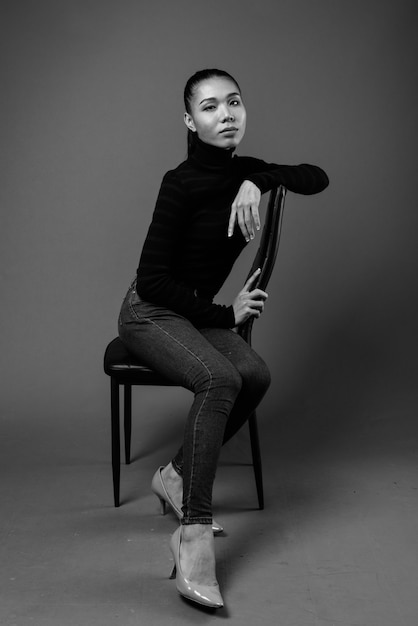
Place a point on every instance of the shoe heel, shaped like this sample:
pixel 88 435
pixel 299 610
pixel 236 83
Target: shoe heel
pixel 173 573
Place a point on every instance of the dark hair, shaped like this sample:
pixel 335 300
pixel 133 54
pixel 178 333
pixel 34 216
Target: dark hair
pixel 189 90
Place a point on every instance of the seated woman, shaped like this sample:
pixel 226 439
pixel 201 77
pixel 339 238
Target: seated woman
pixel 206 213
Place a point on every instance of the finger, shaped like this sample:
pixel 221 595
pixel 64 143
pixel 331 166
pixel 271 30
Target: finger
pixel 254 312
pixel 251 279
pixel 258 293
pixel 256 217
pixel 231 224
pixel 249 222
pixel 243 226
pixel 256 304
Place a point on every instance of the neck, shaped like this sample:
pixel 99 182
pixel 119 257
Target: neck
pixel 209 155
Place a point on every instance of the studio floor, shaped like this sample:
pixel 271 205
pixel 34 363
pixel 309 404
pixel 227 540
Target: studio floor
pixel 335 546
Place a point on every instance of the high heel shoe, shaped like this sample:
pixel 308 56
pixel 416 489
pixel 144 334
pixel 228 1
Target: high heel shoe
pixel 158 487
pixel 208 595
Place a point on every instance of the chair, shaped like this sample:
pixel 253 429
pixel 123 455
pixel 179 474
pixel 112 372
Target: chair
pixel 126 370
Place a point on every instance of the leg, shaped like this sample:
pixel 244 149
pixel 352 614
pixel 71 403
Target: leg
pixel 114 390
pixel 127 420
pixel 255 382
pixel 171 345
pixel 255 451
pixel 254 374
pixel 255 378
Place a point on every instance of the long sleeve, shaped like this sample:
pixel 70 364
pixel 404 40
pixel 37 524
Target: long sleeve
pixel 156 275
pixel 187 254
pixel 304 179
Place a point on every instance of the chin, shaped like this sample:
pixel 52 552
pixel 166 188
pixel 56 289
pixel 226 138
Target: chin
pixel 230 143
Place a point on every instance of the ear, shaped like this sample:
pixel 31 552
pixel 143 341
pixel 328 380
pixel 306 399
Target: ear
pixel 188 120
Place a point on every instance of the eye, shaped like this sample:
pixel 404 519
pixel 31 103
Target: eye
pixel 209 107
pixel 234 102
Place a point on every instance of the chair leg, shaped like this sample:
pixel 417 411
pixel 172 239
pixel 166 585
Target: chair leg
pixel 114 402
pixel 127 421
pixel 255 449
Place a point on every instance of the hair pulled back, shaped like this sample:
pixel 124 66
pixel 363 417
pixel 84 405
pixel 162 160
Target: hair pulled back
pixel 189 91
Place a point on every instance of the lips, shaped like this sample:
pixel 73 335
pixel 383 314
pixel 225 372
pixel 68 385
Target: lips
pixel 229 129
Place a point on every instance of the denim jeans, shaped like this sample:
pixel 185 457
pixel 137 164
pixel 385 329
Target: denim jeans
pixel 226 375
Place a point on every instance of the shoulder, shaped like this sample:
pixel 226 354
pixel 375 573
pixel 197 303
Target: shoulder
pixel 173 190
pixel 179 174
pixel 173 177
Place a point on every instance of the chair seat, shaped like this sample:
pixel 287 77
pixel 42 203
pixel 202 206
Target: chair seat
pixel 125 368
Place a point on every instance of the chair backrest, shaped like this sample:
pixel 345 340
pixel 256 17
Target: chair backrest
pixel 267 250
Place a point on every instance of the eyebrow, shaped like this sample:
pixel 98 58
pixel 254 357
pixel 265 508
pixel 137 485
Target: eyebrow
pixel 234 93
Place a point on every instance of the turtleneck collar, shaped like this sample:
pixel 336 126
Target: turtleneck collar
pixel 211 156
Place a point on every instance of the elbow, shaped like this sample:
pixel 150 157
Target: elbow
pixel 314 180
pixel 323 180
pixel 319 180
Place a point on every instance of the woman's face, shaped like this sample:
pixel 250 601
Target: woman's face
pixel 217 113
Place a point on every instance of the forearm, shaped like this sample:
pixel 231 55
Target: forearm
pixel 304 179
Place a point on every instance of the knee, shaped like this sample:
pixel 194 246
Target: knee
pixel 224 377
pixel 234 381
pixel 227 377
pixel 257 377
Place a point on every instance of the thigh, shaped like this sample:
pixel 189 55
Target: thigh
pixel 169 343
pixel 245 359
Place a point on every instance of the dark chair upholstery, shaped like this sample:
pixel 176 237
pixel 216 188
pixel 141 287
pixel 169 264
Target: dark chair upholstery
pixel 126 370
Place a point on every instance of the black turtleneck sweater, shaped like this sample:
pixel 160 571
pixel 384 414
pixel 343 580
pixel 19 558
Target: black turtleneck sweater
pixel 187 254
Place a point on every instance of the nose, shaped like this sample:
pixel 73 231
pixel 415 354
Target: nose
pixel 226 114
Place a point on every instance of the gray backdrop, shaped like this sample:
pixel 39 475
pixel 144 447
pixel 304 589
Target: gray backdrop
pixel 92 118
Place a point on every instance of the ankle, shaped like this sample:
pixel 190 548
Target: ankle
pixel 197 556
pixel 170 476
pixel 193 532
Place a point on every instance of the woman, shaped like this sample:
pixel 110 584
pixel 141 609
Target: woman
pixel 206 212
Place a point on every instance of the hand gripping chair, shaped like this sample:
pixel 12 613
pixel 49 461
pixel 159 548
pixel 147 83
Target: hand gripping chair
pixel 126 370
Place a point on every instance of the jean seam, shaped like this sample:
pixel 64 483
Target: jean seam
pixel 133 313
